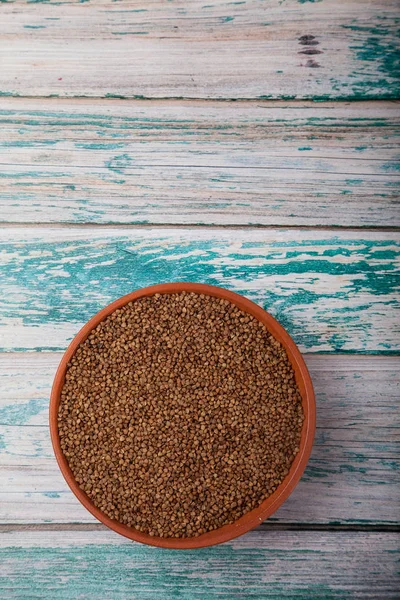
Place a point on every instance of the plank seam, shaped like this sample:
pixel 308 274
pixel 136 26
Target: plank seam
pixel 345 99
pixel 144 226
pixel 338 528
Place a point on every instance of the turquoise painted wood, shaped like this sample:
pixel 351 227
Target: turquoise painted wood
pixel 100 196
pixel 262 564
pixel 333 291
pixel 174 162
pixel 358 399
pixel 285 49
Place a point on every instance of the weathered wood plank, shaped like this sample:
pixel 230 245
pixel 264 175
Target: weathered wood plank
pixel 355 448
pixel 248 49
pixel 333 291
pixel 273 564
pixel 175 162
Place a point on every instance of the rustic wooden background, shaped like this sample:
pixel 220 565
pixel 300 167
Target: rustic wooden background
pixel 250 144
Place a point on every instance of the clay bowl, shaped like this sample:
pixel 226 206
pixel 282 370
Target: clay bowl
pixel 266 508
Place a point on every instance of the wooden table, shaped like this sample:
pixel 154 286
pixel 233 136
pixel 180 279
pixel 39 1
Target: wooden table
pixel 143 142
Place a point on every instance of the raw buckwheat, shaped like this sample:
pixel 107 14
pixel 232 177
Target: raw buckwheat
pixel 179 414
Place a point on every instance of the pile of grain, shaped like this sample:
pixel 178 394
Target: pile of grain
pixel 179 414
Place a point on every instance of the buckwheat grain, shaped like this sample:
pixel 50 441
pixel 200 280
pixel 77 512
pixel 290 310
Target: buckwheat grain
pixel 179 414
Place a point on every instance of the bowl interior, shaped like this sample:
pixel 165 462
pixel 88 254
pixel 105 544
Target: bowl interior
pixel 268 506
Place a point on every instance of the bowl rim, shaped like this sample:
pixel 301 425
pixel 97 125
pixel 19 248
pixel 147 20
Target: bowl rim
pixel 254 517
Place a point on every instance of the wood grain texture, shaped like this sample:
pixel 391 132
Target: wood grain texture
pixel 273 564
pixel 175 162
pixel 354 453
pixel 249 49
pixel 333 291
pixel 83 156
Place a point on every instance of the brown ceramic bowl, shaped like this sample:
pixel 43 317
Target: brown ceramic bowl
pixel 266 508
